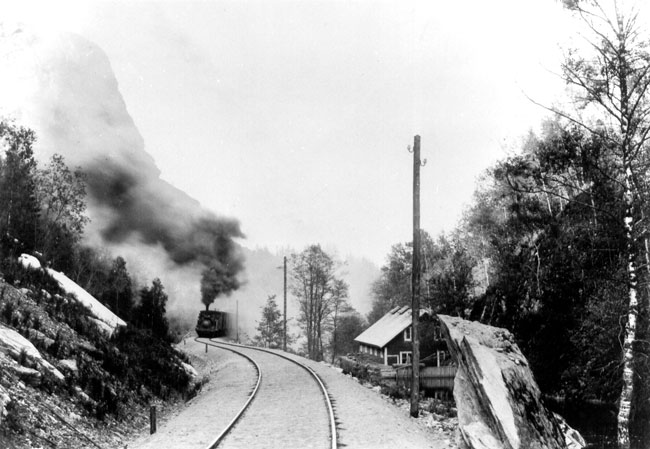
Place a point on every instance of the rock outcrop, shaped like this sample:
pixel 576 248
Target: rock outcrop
pixel 18 347
pixel 5 399
pixel 498 401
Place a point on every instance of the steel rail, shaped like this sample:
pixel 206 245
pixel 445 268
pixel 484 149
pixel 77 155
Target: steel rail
pixel 328 402
pixel 232 423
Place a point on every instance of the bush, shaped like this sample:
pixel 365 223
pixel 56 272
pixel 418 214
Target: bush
pixel 395 391
pixel 13 420
pixel 23 359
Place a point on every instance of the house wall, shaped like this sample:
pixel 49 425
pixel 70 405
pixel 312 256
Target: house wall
pixel 395 346
pixel 399 345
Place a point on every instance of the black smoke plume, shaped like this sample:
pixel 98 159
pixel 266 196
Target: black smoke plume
pixel 76 109
pixel 171 219
pixel 165 216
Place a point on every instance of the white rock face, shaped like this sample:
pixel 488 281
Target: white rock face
pixel 189 369
pixel 106 320
pixel 70 365
pixel 13 344
pixel 98 309
pixel 28 261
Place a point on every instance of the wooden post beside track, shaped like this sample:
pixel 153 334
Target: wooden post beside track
pixel 152 420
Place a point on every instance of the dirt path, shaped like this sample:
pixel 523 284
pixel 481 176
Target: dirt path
pixel 231 379
pixel 369 421
pixel 365 419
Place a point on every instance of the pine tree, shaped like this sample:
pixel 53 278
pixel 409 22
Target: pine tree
pixel 19 209
pixel 119 295
pixel 151 312
pixel 270 328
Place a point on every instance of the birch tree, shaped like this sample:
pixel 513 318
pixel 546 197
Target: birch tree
pixel 61 194
pixel 609 79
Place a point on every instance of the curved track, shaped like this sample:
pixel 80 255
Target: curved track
pixel 232 423
pixel 285 414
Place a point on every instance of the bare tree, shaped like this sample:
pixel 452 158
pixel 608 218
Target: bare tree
pixel 318 290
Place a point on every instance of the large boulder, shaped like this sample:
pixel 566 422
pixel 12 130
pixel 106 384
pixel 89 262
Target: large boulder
pixel 499 403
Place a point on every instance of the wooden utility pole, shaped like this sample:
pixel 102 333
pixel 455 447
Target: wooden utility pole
pixel 284 342
pixel 415 282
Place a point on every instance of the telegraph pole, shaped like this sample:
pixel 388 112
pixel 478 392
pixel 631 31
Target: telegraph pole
pixel 415 282
pixel 284 340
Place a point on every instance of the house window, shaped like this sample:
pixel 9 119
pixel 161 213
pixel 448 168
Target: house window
pixel 405 357
pixel 408 333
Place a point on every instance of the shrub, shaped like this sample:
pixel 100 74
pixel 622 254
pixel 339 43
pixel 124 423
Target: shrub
pixel 13 419
pixel 23 358
pixel 395 391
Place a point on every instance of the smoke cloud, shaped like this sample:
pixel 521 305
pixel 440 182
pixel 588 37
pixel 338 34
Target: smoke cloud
pixel 63 87
pixel 159 214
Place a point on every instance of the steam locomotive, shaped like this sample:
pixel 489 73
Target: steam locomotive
pixel 212 323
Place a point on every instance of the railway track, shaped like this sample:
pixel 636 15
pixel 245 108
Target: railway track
pixel 275 415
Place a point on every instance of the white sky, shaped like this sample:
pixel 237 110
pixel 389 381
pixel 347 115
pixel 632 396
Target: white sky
pixel 294 116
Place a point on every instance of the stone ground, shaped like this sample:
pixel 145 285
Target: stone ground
pixel 366 419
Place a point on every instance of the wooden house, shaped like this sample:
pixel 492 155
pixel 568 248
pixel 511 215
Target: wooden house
pixel 391 338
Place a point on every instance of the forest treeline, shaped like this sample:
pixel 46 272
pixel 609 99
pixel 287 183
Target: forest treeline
pixel 43 213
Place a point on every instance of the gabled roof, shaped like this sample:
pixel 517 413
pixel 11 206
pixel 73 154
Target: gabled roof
pixel 388 326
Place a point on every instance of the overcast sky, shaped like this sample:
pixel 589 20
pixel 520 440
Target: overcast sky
pixel 295 116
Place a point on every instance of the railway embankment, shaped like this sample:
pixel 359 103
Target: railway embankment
pixel 65 383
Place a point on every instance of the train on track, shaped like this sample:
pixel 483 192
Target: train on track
pixel 212 323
